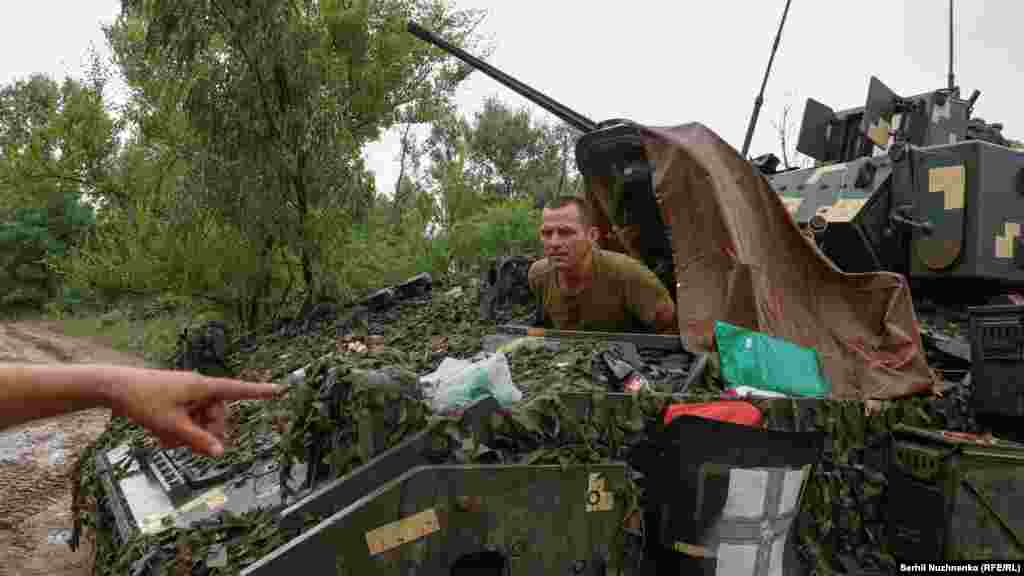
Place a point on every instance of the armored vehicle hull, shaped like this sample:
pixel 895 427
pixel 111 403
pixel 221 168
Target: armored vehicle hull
pixel 941 203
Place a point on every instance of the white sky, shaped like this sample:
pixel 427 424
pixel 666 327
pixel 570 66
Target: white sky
pixel 660 62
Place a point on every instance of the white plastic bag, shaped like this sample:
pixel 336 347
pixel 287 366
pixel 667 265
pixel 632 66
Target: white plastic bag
pixel 458 383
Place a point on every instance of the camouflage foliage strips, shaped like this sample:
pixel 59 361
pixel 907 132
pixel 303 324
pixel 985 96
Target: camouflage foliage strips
pixel 841 521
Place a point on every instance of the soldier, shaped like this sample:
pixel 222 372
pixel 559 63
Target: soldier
pixel 579 286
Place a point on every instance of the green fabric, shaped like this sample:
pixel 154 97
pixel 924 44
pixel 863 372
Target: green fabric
pixel 755 359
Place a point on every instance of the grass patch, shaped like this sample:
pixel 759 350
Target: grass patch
pixel 152 339
pixel 147 327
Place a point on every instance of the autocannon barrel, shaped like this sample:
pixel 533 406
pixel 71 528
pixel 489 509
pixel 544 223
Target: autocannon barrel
pixel 568 115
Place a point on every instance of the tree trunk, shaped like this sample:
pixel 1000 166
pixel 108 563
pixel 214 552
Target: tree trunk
pixel 398 200
pixel 306 247
pixel 264 282
pixel 561 176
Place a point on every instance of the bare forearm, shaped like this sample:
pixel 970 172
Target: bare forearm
pixel 665 318
pixel 28 391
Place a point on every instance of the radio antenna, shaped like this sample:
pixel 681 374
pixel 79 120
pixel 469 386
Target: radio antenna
pixel 952 83
pixel 760 95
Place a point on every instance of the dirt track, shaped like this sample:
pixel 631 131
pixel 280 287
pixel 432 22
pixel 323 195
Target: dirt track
pixel 35 459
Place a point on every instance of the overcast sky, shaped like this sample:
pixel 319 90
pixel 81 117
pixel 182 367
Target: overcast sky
pixel 663 62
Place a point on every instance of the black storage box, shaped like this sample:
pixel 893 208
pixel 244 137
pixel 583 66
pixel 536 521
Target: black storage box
pixel 997 353
pixel 723 497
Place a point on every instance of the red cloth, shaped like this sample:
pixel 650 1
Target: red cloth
pixel 737 412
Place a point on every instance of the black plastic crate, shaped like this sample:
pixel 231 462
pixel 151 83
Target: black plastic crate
pixel 201 470
pixel 997 355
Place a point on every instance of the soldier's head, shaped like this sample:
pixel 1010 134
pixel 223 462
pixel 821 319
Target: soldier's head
pixel 567 232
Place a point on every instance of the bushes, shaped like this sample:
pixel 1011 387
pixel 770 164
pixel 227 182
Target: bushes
pixel 206 261
pixel 368 256
pixel 31 237
pixel 505 228
pixel 213 267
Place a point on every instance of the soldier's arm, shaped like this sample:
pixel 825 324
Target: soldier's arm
pixel 648 298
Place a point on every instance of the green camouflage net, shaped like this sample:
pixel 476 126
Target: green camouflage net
pixel 841 522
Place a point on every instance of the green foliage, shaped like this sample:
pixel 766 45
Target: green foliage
pixel 503 153
pixel 367 256
pixel 199 257
pixel 512 152
pixel 56 147
pixel 31 239
pixel 375 254
pixel 247 154
pixel 504 228
pixel 54 139
pixel 241 186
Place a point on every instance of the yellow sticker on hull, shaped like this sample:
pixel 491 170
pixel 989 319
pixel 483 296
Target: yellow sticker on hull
pixel 599 499
pixel 408 529
pixel 1006 243
pixel 950 181
pixel 845 209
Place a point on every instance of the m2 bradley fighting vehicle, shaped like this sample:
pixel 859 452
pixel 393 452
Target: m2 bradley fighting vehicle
pixel 811 485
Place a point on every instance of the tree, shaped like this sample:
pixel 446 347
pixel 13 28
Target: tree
pixel 563 138
pixel 58 147
pixel 406 185
pixel 786 130
pixel 55 139
pixel 278 102
pixel 511 152
pixel 31 237
pixel 499 154
pixel 452 181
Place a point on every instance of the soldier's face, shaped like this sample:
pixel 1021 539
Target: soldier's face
pixel 566 240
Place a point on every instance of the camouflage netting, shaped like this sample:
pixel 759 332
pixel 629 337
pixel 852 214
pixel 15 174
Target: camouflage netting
pixel 841 524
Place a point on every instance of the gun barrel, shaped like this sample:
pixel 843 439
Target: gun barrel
pixel 568 115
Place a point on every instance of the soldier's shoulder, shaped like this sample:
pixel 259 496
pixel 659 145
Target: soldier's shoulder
pixel 622 262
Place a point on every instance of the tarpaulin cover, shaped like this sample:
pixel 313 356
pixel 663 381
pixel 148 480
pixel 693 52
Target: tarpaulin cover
pixel 740 258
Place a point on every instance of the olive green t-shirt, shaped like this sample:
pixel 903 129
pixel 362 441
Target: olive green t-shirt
pixel 622 293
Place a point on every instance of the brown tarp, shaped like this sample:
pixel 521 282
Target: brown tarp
pixel 740 258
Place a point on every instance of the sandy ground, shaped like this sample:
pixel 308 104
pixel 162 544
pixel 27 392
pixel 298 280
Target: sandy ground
pixel 35 460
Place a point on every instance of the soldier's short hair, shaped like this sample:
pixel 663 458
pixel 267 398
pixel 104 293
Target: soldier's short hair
pixel 582 208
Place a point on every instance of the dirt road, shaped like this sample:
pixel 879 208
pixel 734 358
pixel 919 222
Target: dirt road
pixel 35 496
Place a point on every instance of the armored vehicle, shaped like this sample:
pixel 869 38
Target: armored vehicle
pixel 917 186
pixel 614 483
pixel 913 185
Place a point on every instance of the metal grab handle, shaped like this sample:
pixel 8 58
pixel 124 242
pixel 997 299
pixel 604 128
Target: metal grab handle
pixel 901 215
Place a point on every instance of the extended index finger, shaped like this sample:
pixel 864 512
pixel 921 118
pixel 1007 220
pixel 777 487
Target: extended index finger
pixel 228 389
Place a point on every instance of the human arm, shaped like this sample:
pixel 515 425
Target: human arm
pixel 178 407
pixel 648 299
